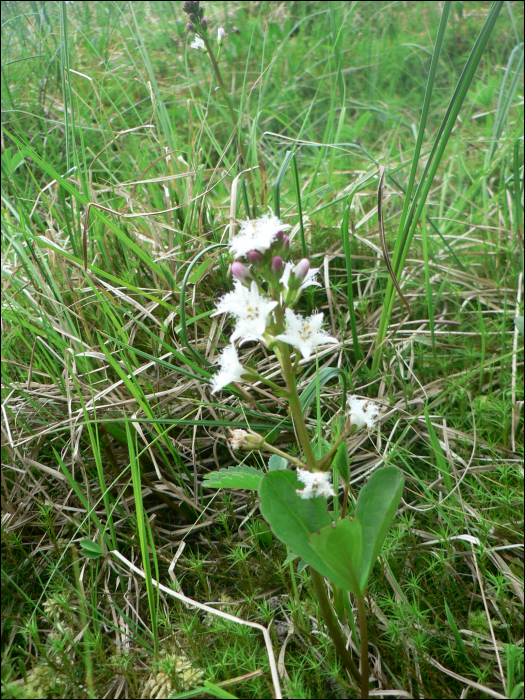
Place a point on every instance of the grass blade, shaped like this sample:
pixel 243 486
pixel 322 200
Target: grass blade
pixel 143 536
pixel 410 221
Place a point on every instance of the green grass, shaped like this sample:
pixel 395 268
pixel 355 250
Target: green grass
pixel 107 342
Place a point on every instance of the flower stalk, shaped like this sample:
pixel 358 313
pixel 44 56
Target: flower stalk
pixel 199 24
pixel 295 407
pixel 360 600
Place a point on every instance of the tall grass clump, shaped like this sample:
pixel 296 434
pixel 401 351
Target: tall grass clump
pixel 262 349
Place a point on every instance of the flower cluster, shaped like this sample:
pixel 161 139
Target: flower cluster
pixel 250 308
pixel 362 412
pixel 195 14
pixel 315 484
pixel 305 334
pixel 267 287
pixel 198 23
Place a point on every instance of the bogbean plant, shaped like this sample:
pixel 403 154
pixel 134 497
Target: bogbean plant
pixel 295 499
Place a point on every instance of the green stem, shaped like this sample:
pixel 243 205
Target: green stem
pixel 276 451
pixel 333 626
pixel 345 501
pixel 258 377
pixel 327 460
pixel 295 406
pixel 364 645
pixel 350 617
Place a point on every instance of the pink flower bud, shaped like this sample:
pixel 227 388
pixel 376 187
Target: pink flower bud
pixel 277 264
pixel 204 22
pixel 240 271
pixel 253 256
pixel 191 17
pixel 286 241
pixel 301 269
pixel 189 27
pixel 220 34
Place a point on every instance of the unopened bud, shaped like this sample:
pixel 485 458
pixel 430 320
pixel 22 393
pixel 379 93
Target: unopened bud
pixel 277 264
pixel 204 22
pixel 301 269
pixel 242 438
pixel 220 35
pixel 191 17
pixel 253 256
pixel 189 27
pixel 237 438
pixel 286 241
pixel 240 271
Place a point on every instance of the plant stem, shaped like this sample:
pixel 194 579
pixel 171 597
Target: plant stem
pixel 276 451
pixel 295 407
pixel 345 501
pixel 364 645
pixel 269 382
pixel 333 626
pixel 324 463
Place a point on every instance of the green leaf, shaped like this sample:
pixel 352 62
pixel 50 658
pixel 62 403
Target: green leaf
pixel 341 549
pixel 518 320
pixel 291 518
pixel 91 549
pixel 376 506
pixel 238 477
pixel 276 463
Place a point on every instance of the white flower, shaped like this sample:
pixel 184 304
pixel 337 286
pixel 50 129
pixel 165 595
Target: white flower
pixel 308 279
pixel 315 484
pixel 304 334
pixel 237 438
pixel 257 234
pixel 231 369
pixel 363 412
pixel 220 35
pixel 251 310
pixel 198 43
